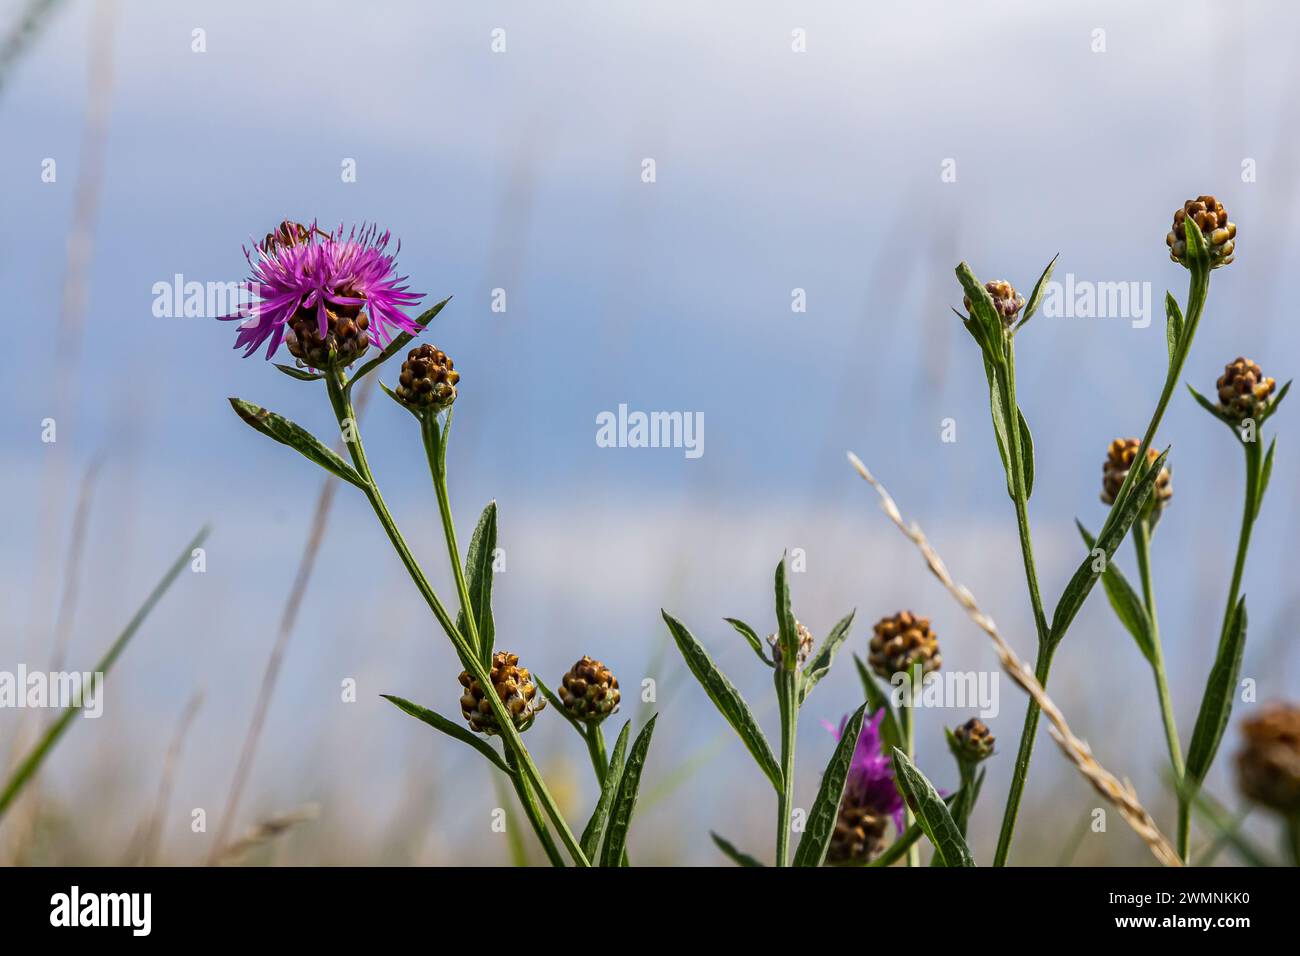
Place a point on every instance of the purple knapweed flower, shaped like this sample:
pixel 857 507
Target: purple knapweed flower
pixel 870 783
pixel 301 273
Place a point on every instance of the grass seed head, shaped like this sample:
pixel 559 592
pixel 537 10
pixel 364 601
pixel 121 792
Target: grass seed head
pixel 515 688
pixel 1210 216
pixel 589 691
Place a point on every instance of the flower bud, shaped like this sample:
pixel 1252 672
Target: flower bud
pixel 901 642
pixel 589 691
pixel 1220 235
pixel 514 687
pixel 805 640
pixel 972 741
pixel 1268 766
pixel 428 379
pixel 859 832
pixel 1006 300
pixel 346 336
pixel 1115 469
pixel 1243 391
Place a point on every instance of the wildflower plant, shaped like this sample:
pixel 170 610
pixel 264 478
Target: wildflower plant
pixel 329 297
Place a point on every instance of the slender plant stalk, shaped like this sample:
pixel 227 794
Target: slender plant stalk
pixel 1293 838
pixel 435 446
pixel 788 699
pixel 1142 545
pixel 529 802
pixel 595 738
pixel 1198 290
pixel 909 748
pixel 343 411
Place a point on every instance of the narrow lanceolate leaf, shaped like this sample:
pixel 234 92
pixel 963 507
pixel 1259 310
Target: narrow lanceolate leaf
pixel 820 664
pixel 1216 704
pixel 451 729
pixel 1265 473
pixel 296 437
pixel 1213 409
pixel 1036 297
pixel 620 819
pixel 595 829
pixel 738 857
pixel 400 342
pixel 750 636
pixel 32 762
pixel 1128 607
pixel 787 631
pixel 877 700
pixel 931 813
pixel 478 579
pixel 1001 428
pixel 983 312
pixel 301 374
pixel 726 698
pixel 1173 325
pixel 826 808
pixel 898 849
pixel 1026 453
pixel 1120 520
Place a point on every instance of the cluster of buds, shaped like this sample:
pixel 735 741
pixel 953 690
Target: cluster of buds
pixel 1244 391
pixel 1006 300
pixel 1115 469
pixel 428 379
pixel 1220 235
pixel 902 642
pixel 513 686
pixel 1268 766
pixel 972 741
pixel 589 691
pixel 805 639
pixel 345 340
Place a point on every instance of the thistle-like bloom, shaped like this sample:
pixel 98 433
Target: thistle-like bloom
pixel 1268 766
pixel 1006 300
pixel 513 685
pixel 1243 391
pixel 1115 469
pixel 902 641
pixel 805 643
pixel 326 291
pixel 1220 235
pixel 871 798
pixel 589 691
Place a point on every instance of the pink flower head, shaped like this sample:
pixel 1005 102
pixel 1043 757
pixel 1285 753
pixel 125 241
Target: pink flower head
pixel 297 267
pixel 871 774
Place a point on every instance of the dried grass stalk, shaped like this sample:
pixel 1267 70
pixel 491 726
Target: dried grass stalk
pixel 265 831
pixel 1122 795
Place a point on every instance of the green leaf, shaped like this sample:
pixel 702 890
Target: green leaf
pixel 1122 515
pixel 931 813
pixel 787 630
pixel 625 800
pixel 1197 251
pixel 296 437
pixel 737 857
pixel 301 374
pixel 726 698
pixel 891 734
pixel 1128 607
pixel 820 664
pixel 1173 325
pixel 898 849
pixel 555 703
pixel 826 807
pixel 750 635
pixel 400 342
pixel 1026 453
pixel 451 729
pixel 983 312
pixel 1036 297
pixel 25 770
pixel 1216 703
pixel 1272 406
pixel 1265 473
pixel 1001 428
pixel 1213 409
pixel 478 580
pixel 595 828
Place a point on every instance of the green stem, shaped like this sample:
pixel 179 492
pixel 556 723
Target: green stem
pixel 787 697
pixel 909 748
pixel 1293 838
pixel 533 812
pixel 595 738
pixel 341 401
pixel 436 451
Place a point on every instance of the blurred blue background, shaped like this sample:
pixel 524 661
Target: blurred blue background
pixel 522 170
